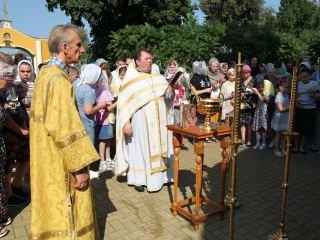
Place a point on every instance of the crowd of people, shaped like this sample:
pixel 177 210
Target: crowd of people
pixel 265 101
pixel 79 116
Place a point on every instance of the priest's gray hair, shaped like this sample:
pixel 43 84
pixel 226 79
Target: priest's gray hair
pixel 59 35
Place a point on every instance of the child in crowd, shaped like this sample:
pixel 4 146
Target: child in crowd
pixel 280 118
pixel 112 113
pixel 115 91
pixel 227 90
pixel 116 86
pixel 104 129
pixel 260 119
pixel 305 110
pixel 224 69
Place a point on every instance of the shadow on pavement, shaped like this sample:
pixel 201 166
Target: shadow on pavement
pixel 103 204
pixel 259 178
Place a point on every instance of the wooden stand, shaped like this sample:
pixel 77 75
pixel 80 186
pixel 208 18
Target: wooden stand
pixel 199 136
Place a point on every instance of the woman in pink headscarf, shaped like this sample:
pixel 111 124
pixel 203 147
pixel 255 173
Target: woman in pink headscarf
pixel 250 101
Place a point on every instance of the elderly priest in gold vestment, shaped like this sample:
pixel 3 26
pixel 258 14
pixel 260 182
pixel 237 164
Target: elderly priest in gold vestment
pixel 61 150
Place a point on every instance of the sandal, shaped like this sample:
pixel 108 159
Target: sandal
pixel 215 140
pixel 5 222
pixel 3 232
pixel 184 148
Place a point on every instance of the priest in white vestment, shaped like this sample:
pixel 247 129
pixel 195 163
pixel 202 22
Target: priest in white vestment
pixel 144 145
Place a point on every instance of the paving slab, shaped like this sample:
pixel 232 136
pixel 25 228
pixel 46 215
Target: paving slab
pixel 126 214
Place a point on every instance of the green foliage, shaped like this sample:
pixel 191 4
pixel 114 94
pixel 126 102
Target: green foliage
pixel 297 15
pixel 182 43
pixel 170 29
pixel 306 45
pixel 226 11
pixel 268 17
pixel 85 57
pixel 252 40
pixel 314 45
pixel 289 45
pixel 105 16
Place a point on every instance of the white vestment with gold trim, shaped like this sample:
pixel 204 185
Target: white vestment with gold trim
pixel 147 155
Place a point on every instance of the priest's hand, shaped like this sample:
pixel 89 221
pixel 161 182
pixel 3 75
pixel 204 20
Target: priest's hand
pixel 127 129
pixel 82 178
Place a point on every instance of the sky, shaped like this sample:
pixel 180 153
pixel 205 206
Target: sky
pixel 33 18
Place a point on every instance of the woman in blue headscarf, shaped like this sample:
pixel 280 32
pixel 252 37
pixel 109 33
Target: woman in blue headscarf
pixel 281 75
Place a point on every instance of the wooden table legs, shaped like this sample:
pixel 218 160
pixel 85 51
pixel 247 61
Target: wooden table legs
pixel 198 150
pixel 224 144
pixel 198 199
pixel 176 145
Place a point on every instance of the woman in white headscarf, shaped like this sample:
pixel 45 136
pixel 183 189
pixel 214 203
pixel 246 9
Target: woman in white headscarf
pixel 86 97
pixel 172 69
pixel 17 146
pixel 181 89
pixel 7 75
pixel 200 79
pixel 24 83
pixel 305 65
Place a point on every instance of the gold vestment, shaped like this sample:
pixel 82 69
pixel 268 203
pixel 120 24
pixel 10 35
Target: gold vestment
pixel 59 146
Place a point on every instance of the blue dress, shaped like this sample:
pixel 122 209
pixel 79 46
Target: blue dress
pixel 280 119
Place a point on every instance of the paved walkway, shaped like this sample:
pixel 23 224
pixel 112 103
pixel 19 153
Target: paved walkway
pixel 124 213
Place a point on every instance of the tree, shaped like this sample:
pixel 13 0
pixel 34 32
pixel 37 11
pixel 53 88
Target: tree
pixel 295 16
pixel 226 11
pixel 106 16
pixel 268 17
pixel 252 40
pixel 314 45
pixel 288 47
pixel 86 56
pixel 180 42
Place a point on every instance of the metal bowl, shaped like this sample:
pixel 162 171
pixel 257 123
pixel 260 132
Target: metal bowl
pixel 243 106
pixel 209 106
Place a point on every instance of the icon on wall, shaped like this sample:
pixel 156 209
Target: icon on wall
pixel 7 36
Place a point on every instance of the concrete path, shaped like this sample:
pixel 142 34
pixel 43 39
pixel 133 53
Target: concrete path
pixel 124 214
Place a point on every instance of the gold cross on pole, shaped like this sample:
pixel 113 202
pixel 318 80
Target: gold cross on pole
pixel 5 10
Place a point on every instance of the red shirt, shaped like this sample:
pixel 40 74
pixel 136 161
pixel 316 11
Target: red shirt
pixel 179 93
